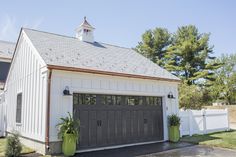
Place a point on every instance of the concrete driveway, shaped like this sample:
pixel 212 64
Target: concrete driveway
pixel 165 149
pixel 181 149
pixel 195 151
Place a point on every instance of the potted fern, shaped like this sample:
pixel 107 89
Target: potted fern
pixel 174 123
pixel 69 133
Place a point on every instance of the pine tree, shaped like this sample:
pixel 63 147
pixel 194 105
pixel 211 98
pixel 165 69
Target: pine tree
pixel 154 45
pixel 189 56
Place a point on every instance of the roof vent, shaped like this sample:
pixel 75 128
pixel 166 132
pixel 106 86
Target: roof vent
pixel 85 32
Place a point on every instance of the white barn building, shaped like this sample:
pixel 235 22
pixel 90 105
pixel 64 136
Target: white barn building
pixel 120 97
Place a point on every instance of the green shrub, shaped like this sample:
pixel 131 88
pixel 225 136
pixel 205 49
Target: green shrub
pixel 173 120
pixel 13 146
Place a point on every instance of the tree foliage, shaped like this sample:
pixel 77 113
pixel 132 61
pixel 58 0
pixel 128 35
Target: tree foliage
pixel 154 45
pixel 190 96
pixel 189 56
pixel 224 86
pixel 186 53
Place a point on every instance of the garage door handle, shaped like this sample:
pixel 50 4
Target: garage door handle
pixel 99 122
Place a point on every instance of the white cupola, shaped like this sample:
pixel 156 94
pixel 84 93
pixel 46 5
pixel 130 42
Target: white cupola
pixel 85 32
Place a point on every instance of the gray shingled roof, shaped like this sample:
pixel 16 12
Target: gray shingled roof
pixel 70 52
pixel 6 49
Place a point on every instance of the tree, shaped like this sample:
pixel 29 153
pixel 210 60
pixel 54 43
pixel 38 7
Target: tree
pixel 190 96
pixel 154 45
pixel 189 56
pixel 224 86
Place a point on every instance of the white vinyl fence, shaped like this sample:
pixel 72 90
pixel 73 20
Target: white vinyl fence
pixel 2 115
pixel 203 121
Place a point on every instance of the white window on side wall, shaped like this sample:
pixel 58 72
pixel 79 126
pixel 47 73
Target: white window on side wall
pixel 18 107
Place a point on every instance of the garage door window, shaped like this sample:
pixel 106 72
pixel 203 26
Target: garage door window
pixel 102 99
pixel 85 99
pixel 110 99
pixel 153 101
pixel 134 100
pixel 106 100
pixel 116 100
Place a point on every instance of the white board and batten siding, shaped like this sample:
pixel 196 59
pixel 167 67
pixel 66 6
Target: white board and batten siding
pixel 102 84
pixel 203 121
pixel 28 75
pixel 2 115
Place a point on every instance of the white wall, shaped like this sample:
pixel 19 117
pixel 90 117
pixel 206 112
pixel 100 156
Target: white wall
pixel 203 121
pixel 27 75
pixel 2 115
pixel 91 83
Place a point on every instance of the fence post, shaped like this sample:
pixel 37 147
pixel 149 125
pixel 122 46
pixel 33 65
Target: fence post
pixel 181 124
pixel 204 121
pixel 227 112
pixel 190 118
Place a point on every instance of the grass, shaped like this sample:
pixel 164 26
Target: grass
pixel 220 139
pixel 25 150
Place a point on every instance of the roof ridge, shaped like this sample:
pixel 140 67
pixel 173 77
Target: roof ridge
pixel 116 45
pixel 75 37
pixel 49 32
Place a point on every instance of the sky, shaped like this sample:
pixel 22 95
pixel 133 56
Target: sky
pixel 122 22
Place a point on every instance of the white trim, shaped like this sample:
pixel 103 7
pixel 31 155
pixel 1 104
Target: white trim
pixel 7 60
pixel 164 119
pixel 117 146
pixel 112 92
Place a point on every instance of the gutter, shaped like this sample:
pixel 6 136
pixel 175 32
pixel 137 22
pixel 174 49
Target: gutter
pixel 48 110
pixel 92 71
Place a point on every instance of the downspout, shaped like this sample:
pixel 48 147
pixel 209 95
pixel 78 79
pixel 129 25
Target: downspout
pixel 48 110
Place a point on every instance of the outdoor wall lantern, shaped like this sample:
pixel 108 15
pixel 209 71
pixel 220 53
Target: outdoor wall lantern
pixel 66 91
pixel 170 96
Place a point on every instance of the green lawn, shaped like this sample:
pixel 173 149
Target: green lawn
pixel 220 139
pixel 25 150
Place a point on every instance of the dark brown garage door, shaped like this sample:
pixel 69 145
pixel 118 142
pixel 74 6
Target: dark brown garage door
pixel 107 120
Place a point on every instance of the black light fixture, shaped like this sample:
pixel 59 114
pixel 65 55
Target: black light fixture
pixel 170 96
pixel 66 91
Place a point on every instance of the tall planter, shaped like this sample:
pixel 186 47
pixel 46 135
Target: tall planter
pixel 69 133
pixel 174 133
pixel 69 144
pixel 174 123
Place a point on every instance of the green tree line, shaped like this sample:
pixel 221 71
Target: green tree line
pixel 187 54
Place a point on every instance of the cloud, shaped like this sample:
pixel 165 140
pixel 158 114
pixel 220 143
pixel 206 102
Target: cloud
pixel 33 24
pixel 9 26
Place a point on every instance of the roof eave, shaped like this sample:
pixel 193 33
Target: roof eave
pixel 6 58
pixel 92 71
